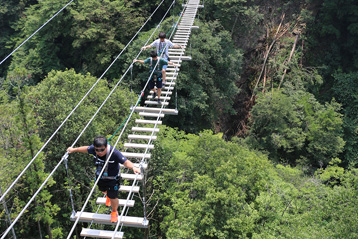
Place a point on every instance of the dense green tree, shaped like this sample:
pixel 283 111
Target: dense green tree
pixel 345 91
pixel 206 85
pixel 86 35
pixel 293 127
pixel 53 99
pixel 21 142
pixel 333 35
pixel 205 186
pixel 10 12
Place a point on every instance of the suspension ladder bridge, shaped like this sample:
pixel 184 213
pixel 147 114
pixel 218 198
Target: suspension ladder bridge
pixel 139 144
pixel 145 131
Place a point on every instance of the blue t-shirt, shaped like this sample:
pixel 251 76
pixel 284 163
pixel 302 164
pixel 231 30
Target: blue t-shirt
pixel 115 159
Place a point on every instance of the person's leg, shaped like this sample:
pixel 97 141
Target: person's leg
pixel 103 188
pixel 108 200
pixel 151 87
pixel 164 70
pixel 159 92
pixel 113 195
pixel 153 93
pixel 159 88
pixel 115 204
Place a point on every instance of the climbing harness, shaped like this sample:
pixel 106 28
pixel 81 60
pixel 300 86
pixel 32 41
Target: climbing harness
pixel 157 73
pixel 99 163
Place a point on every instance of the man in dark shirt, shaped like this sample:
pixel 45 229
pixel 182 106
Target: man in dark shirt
pixel 109 182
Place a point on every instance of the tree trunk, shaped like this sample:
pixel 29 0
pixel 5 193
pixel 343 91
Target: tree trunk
pixel 289 60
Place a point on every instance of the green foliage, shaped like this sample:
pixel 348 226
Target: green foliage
pixel 86 36
pixel 332 37
pixel 206 86
pixel 10 12
pixel 40 54
pixel 53 99
pixel 345 91
pixel 208 188
pixel 100 29
pixel 293 126
pixel 333 173
pixel 21 141
pixel 239 17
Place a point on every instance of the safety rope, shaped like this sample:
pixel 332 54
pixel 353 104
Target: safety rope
pixel 70 187
pixel 130 82
pixel 110 138
pixel 36 31
pixel 66 154
pixel 73 110
pixel 143 161
pixel 119 137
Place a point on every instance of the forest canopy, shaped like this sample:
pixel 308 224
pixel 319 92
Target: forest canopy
pixel 264 143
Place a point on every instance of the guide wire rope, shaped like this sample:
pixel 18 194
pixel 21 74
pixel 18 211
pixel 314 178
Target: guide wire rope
pixel 36 31
pixel 73 110
pixel 119 137
pixel 66 154
pixel 143 160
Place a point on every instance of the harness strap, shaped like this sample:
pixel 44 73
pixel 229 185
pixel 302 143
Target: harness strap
pixel 162 47
pixel 151 64
pixel 105 172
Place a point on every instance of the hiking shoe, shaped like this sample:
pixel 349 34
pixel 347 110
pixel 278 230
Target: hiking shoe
pixel 114 216
pixel 159 101
pixel 154 94
pixel 108 201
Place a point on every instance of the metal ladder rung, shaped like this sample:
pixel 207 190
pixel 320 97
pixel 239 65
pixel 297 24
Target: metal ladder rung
pixel 142 121
pixel 122 202
pixel 88 232
pixel 138 136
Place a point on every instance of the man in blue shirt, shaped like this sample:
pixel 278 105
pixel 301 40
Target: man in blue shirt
pixel 109 182
pixel 157 75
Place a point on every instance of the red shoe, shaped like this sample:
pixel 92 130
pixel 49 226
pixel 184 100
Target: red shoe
pixel 108 201
pixel 114 216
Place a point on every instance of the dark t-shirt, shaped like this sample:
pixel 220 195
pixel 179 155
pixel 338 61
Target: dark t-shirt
pixel 115 159
pixel 162 62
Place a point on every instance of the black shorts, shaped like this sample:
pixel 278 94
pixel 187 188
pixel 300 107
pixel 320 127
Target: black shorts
pixel 159 84
pixel 111 186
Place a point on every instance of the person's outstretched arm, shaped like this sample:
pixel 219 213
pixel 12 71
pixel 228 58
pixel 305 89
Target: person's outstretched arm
pixel 173 64
pixel 136 60
pixel 146 47
pixel 177 46
pixel 82 149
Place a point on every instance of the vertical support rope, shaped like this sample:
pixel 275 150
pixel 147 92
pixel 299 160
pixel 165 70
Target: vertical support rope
pixel 70 186
pixel 119 137
pixel 73 110
pixel 131 85
pixel 176 99
pixel 7 214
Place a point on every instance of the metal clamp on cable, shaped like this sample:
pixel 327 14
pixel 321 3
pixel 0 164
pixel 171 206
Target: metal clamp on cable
pixel 65 159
